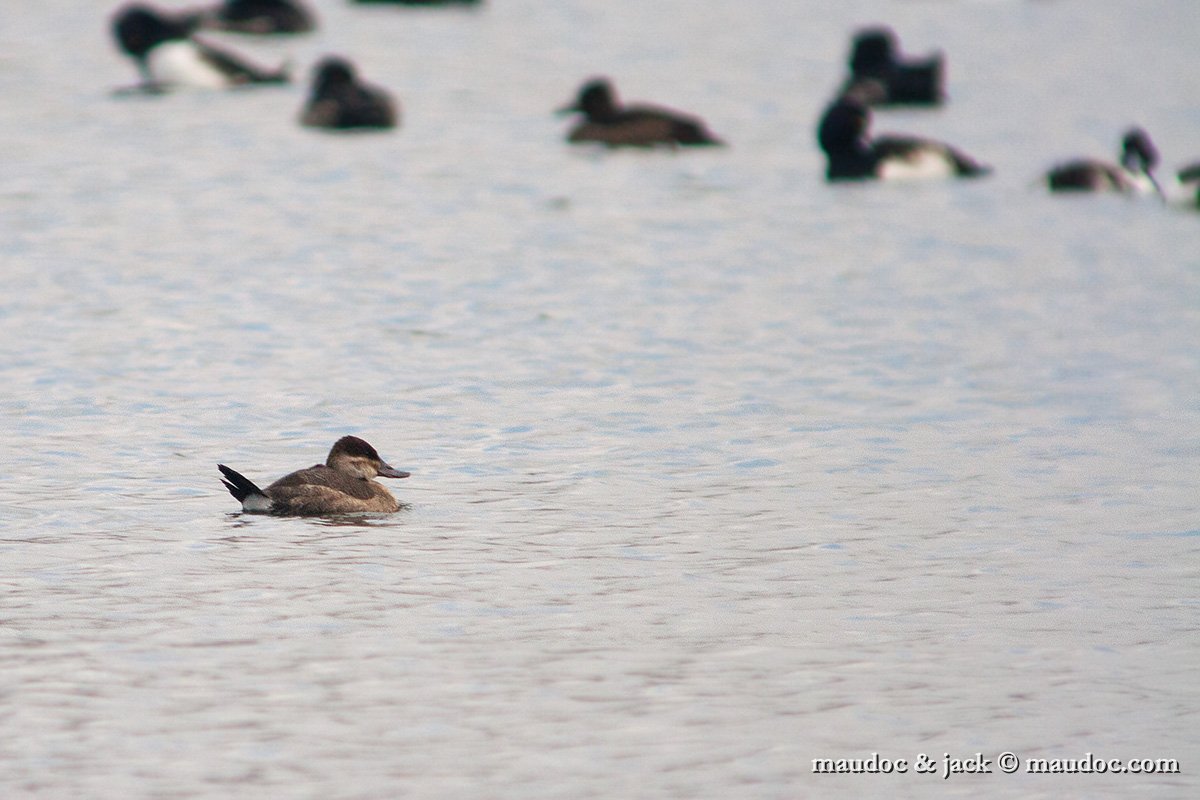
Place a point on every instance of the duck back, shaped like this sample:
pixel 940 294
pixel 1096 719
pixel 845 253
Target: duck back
pixel 320 490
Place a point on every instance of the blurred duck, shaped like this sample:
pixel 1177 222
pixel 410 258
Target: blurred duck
pixel 339 100
pixel 1189 180
pixel 851 155
pixel 1134 175
pixel 260 17
pixel 421 2
pixel 884 77
pixel 633 126
pixel 168 57
pixel 342 485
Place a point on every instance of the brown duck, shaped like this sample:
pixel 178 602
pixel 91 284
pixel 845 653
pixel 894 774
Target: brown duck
pixel 342 485
pixel 633 126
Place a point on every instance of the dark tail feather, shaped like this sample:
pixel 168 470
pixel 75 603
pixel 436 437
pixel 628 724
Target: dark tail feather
pixel 968 167
pixel 238 484
pixel 689 132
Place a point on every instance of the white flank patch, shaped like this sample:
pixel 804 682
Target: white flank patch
pixel 921 165
pixel 256 504
pixel 1141 183
pixel 181 64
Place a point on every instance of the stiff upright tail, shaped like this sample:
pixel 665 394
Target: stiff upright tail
pixel 967 167
pixel 243 490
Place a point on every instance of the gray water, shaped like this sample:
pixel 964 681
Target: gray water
pixel 717 469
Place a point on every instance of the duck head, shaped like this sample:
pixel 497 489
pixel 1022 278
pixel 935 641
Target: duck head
pixel 138 28
pixel 596 100
pixel 331 75
pixel 1138 153
pixel 354 456
pixel 844 126
pixel 874 51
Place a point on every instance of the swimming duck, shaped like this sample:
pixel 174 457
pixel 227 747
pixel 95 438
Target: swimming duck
pixel 842 134
pixel 167 56
pixel 422 2
pixel 342 485
pixel 875 61
pixel 1135 175
pixel 636 126
pixel 260 17
pixel 1189 180
pixel 339 100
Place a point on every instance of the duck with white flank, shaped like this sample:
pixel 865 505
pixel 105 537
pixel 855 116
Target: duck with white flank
pixel 339 100
pixel 169 57
pixel 1135 175
pixel 608 123
pixel 342 485
pixel 852 155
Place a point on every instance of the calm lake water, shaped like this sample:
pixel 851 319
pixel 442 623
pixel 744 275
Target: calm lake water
pixel 717 469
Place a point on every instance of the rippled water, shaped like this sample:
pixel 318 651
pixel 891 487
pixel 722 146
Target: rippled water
pixel 717 469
